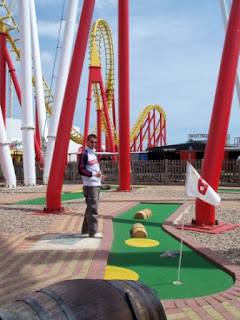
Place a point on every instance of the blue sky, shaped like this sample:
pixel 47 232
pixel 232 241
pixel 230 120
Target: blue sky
pixel 175 53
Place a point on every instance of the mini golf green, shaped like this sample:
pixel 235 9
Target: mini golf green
pixel 228 190
pixel 66 196
pixel 199 276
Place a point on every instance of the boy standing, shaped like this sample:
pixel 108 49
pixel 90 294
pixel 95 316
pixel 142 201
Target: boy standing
pixel 92 176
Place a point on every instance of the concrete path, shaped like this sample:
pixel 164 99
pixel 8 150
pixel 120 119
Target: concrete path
pixel 30 261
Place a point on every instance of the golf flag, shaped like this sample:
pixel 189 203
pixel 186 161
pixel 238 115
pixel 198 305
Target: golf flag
pixel 199 188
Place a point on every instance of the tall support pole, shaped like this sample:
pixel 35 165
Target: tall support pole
pixel 87 114
pixel 141 139
pixel 3 37
pixel 37 131
pixel 40 103
pixel 154 128
pixel 64 63
pixel 225 22
pixel 99 130
pixel 18 92
pixel 10 97
pixel 213 158
pixel 123 95
pixel 161 130
pixel 5 157
pixel 107 116
pixel 26 86
pixel 149 131
pixel 165 132
pixel 69 103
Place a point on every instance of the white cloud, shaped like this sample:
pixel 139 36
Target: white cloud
pixel 49 29
pixel 47 57
pixel 170 27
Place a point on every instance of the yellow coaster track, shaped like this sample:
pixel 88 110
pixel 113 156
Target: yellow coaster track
pixel 101 33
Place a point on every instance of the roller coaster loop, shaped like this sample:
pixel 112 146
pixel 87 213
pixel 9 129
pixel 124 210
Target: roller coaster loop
pixel 150 124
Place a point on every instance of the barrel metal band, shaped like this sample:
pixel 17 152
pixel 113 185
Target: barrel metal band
pixel 6 315
pixel 68 312
pixel 127 297
pixel 36 307
pixel 155 300
pixel 142 296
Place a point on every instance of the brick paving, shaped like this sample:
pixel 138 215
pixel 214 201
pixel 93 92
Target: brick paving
pixel 23 271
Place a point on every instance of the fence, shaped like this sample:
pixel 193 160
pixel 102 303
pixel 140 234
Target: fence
pixel 162 172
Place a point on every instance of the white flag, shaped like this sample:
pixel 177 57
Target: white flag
pixel 199 188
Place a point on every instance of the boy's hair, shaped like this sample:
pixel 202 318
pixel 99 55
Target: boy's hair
pixel 90 136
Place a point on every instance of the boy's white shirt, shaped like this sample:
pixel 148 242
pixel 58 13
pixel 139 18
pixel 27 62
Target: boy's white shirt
pixel 94 168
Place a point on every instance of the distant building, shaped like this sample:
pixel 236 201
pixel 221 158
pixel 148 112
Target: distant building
pixel 191 150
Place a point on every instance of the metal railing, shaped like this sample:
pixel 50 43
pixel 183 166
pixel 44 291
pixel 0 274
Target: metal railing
pixel 162 172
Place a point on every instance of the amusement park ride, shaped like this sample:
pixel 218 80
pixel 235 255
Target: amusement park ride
pixel 150 125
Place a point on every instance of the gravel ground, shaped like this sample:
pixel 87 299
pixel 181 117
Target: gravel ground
pixel 13 218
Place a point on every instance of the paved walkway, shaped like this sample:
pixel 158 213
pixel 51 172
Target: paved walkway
pixel 24 270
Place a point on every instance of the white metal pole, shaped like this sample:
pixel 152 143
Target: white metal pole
pixel 26 89
pixel 63 70
pixel 225 23
pixel 38 73
pixel 5 157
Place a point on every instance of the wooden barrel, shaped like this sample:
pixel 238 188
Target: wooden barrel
pixel 138 231
pixel 143 214
pixel 88 299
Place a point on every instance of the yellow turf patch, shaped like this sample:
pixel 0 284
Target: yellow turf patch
pixel 144 243
pixel 77 191
pixel 117 273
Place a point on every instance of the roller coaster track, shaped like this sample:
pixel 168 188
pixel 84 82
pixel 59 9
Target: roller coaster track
pixel 100 33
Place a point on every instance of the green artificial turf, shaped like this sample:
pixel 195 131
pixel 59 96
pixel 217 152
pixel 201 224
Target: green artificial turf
pixel 67 196
pixel 199 276
pixel 228 190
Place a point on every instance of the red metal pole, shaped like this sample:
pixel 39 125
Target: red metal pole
pixel 141 139
pixel 123 95
pixel 149 131
pixel 87 114
pixel 18 92
pixel 154 128
pixel 99 130
pixel 214 153
pixel 69 102
pixel 107 116
pixel 12 72
pixel 161 130
pixel 3 37
pixel 37 133
pixel 165 132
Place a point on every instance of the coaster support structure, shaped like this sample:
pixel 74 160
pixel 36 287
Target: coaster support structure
pixel 214 153
pixel 56 176
pixel 123 95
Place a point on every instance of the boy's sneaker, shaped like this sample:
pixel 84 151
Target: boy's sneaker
pixel 97 235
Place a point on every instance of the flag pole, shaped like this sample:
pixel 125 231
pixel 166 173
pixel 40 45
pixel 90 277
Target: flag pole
pixel 178 281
